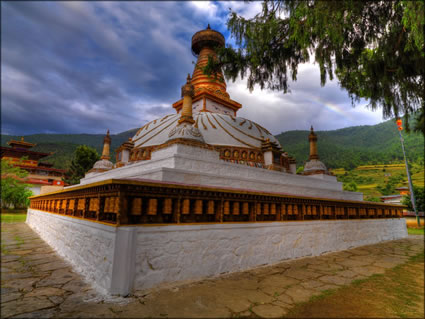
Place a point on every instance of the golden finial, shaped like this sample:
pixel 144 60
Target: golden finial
pixel 22 138
pixel 208 27
pixel 311 129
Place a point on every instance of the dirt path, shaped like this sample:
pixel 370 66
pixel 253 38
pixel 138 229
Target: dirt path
pixel 35 282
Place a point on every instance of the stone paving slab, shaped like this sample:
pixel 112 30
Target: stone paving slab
pixel 37 283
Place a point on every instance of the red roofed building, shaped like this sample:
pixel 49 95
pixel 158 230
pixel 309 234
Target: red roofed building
pixel 40 174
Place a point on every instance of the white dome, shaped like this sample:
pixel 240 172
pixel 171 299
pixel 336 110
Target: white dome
pixel 216 129
pixel 314 165
pixel 103 165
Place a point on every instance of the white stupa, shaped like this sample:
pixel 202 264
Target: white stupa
pixel 206 143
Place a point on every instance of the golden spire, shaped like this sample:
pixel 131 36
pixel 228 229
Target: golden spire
pixel 187 94
pixel 312 137
pixel 106 146
pixel 203 44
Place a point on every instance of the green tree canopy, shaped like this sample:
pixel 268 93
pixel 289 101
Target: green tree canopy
pixel 14 191
pixel 351 186
pixel 419 199
pixel 375 49
pixel 83 160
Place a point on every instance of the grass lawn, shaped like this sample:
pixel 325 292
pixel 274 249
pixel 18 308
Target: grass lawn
pixel 416 231
pixel 398 293
pixel 13 215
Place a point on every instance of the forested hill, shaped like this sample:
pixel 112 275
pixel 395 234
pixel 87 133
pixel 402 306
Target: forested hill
pixel 64 145
pixel 354 146
pixel 347 148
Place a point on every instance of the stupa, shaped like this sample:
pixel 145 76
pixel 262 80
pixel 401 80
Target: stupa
pixel 202 141
pixel 203 192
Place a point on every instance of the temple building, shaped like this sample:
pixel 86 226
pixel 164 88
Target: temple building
pixel 203 192
pixel 40 174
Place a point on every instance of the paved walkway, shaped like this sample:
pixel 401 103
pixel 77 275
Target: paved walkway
pixel 35 282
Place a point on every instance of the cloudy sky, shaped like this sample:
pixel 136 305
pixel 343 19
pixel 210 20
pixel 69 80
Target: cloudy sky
pixel 84 67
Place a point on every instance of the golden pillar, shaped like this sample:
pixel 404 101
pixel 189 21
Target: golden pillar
pixel 312 137
pixel 106 147
pixel 188 91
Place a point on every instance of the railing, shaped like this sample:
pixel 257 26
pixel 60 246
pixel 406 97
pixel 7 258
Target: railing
pixel 125 202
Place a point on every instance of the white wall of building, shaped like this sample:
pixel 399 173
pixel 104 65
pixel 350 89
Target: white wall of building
pixel 119 259
pixel 183 163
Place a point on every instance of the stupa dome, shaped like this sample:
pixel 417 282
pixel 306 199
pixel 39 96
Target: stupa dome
pixel 314 165
pixel 216 129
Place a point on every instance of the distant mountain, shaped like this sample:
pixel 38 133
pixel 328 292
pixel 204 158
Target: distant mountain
pixel 348 147
pixel 354 146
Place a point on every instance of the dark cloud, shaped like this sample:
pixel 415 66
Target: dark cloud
pixel 74 67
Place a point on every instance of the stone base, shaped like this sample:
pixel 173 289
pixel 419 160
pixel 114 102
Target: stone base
pixel 118 260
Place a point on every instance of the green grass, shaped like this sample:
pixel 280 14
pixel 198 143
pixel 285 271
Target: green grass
pixel 415 231
pixel 13 218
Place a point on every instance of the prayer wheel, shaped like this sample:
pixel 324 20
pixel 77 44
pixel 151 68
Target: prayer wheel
pixel 186 206
pixel 210 207
pixel 266 209
pixel 136 206
pixel 245 208
pixel 152 206
pixel 226 209
pixel 168 206
pixel 258 208
pixel 235 210
pixel 198 207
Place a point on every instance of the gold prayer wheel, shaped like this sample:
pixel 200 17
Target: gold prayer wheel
pixel 186 206
pixel 273 209
pixel 152 206
pixel 226 209
pixel 290 212
pixel 235 208
pixel 266 208
pixel 136 206
pixel 198 207
pixel 168 206
pixel 295 210
pixel 210 208
pixel 245 208
pixel 258 208
pixel 71 204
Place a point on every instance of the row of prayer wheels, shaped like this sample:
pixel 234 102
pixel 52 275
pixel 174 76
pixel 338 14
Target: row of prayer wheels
pixel 90 207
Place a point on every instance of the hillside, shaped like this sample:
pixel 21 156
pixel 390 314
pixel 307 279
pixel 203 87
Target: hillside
pixel 344 148
pixel 355 146
pixel 64 145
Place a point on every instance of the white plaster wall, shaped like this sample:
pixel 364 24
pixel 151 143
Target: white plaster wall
pixel 87 246
pixel 116 260
pixel 167 254
pixel 187 164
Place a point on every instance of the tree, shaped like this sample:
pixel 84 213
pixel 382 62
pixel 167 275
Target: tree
pixel 351 187
pixel 14 191
pixel 375 48
pixel 83 160
pixel 419 199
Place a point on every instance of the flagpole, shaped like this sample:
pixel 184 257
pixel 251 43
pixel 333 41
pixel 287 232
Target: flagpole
pixel 412 195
